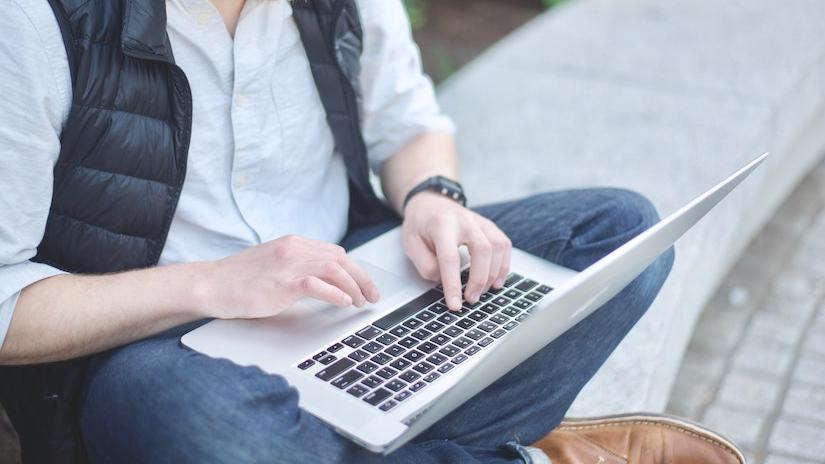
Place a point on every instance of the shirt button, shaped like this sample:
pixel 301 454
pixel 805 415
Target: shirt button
pixel 240 99
pixel 204 18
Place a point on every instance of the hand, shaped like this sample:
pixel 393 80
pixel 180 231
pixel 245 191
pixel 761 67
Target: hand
pixel 263 280
pixel 435 226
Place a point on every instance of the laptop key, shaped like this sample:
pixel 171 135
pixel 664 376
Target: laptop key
pixel 469 305
pixel 306 364
pixel 501 301
pixel 402 396
pixel 510 325
pixel 377 396
pixel 459 359
pixel 521 317
pixel 425 316
pixel 386 339
pixel 373 347
pixel 414 355
pixel 328 359
pixel 490 308
pixel 372 382
pixel 421 334
pixel 432 377
pixel 413 324
pixel 381 358
pixel 428 347
pixel 533 296
pixel 388 405
pixel 475 334
pixel 512 279
pixel 523 304
pixel 409 376
pixel 436 359
pixel 452 331
pixel 477 316
pixel 439 308
pixel 399 331
pixel 367 367
pixel 357 391
pixel 353 342
pixel 423 367
pixel 449 350
pixel 386 373
pixel 472 350
pixel 440 339
pixel 498 333
pixel 392 319
pixel 512 294
pixel 485 297
pixel 485 341
pixel 330 372
pixel 320 355
pixel 400 364
pixel 358 355
pixel 335 347
pixel 544 289
pixel 462 342
pixel 446 368
pixel 446 318
pixel 346 380
pixel 408 342
pixel 434 326
pixel 368 333
pixel 417 386
pixel 487 326
pixel 526 285
pixel 498 318
pixel 395 351
pixel 395 385
pixel 511 311
pixel 465 323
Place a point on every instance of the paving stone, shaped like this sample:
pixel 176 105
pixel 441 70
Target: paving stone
pixel 797 439
pixel 810 369
pixel 790 308
pixel 743 427
pixel 807 402
pixel 719 330
pixel 780 459
pixel 815 342
pixel 749 391
pixel 795 284
pixel 780 327
pixel 764 355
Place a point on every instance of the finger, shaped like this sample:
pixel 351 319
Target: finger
pixel 313 287
pixel 362 279
pixel 423 259
pixel 504 270
pixel 449 264
pixel 481 252
pixel 332 273
pixel 502 250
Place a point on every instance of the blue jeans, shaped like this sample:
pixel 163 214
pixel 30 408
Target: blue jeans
pixel 157 401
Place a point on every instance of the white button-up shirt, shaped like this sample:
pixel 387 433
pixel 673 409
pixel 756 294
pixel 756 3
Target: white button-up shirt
pixel 261 161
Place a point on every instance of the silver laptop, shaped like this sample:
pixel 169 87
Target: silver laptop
pixel 383 374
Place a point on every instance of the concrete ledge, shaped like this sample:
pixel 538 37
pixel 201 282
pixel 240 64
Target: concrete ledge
pixel 665 98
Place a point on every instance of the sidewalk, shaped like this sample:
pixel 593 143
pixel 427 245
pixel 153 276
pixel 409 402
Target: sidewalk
pixel 755 367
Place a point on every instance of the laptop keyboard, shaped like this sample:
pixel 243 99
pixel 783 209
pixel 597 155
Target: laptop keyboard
pixel 402 353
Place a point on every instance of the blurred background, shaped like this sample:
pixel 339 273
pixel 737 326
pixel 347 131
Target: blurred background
pixel 666 98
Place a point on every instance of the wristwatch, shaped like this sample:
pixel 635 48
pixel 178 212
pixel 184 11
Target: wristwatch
pixel 439 184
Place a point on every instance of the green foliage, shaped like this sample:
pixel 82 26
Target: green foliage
pixel 552 3
pixel 417 10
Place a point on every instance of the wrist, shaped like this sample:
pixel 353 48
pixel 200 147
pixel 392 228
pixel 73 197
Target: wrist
pixel 199 289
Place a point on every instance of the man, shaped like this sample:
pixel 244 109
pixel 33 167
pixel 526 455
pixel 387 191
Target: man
pixel 199 140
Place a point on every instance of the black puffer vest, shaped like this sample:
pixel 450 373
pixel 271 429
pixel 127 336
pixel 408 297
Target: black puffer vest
pixel 123 161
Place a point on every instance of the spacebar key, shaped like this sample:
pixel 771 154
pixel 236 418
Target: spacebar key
pixel 334 369
pixel 407 310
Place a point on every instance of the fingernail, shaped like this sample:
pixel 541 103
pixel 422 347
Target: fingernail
pixel 499 283
pixel 455 302
pixel 375 295
pixel 474 297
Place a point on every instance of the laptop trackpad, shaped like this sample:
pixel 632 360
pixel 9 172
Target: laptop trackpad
pixel 387 282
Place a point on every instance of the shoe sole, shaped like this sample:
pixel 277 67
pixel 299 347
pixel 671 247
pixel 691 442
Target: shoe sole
pixel 678 423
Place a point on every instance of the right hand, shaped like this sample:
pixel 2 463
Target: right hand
pixel 264 280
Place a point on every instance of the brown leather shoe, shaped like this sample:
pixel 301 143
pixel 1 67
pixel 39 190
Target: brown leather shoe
pixel 637 439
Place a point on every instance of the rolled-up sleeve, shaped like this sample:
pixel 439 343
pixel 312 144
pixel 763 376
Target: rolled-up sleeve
pixel 35 84
pixel 398 99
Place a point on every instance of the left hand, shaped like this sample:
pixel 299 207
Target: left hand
pixel 435 226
